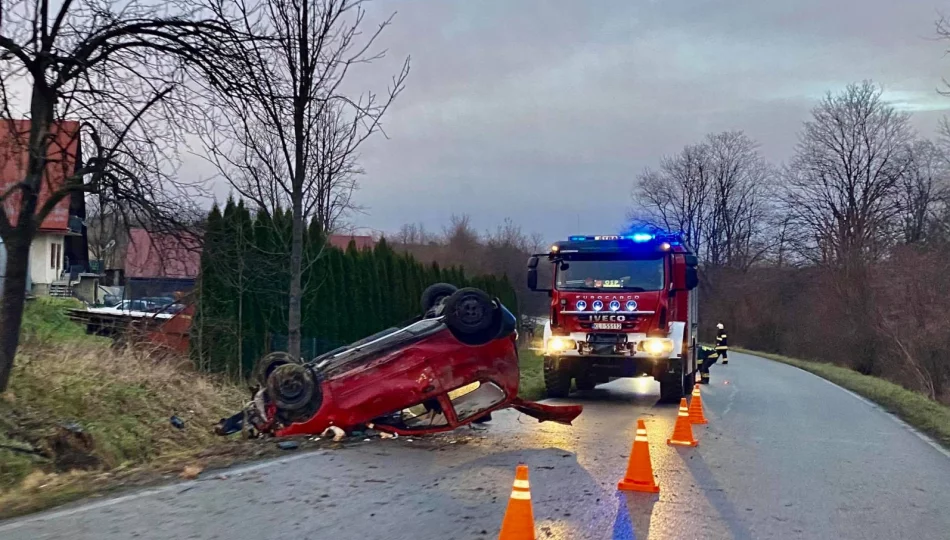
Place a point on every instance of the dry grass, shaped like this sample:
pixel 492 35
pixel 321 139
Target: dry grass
pixel 122 399
pixel 532 376
pixel 914 408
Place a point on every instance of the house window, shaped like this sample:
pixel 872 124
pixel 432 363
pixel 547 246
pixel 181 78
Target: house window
pixel 55 256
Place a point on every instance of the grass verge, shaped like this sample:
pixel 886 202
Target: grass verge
pixel 120 403
pixel 914 408
pixel 78 414
pixel 532 376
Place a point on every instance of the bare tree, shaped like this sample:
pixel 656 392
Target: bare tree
pixel 842 181
pixel 922 192
pixel 100 76
pixel 287 134
pixel 414 234
pixel 739 175
pixel 462 244
pixel 676 196
pixel 712 192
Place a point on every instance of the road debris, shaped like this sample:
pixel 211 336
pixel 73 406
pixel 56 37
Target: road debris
pixel 384 435
pixel 176 422
pixel 337 433
pixel 288 445
pixel 191 472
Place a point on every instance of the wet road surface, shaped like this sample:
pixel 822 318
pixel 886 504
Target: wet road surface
pixel 786 455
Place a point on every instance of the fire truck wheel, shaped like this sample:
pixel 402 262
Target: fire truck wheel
pixel 671 388
pixel 291 387
pixel 436 293
pixel 585 382
pixel 557 380
pixel 469 311
pixel 270 362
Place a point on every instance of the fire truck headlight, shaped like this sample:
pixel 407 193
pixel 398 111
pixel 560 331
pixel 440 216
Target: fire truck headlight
pixel 658 346
pixel 581 305
pixel 631 305
pixel 558 344
pixel 597 305
pixel 614 305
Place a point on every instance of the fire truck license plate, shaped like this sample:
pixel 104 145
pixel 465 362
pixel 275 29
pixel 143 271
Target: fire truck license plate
pixel 607 326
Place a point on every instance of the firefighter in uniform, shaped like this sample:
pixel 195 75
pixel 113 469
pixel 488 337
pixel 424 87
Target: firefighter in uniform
pixel 707 357
pixel 722 343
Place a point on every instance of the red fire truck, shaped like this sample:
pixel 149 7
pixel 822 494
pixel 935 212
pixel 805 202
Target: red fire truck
pixel 621 306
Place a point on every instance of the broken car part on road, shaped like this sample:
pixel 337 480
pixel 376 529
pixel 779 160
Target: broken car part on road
pixel 452 366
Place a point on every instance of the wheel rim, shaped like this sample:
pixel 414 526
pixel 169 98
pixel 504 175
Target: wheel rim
pixel 291 383
pixel 470 311
pixel 291 388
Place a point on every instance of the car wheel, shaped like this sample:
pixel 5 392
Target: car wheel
pixel 469 311
pixel 270 362
pixel 436 293
pixel 291 387
pixel 671 388
pixel 557 381
pixel 585 383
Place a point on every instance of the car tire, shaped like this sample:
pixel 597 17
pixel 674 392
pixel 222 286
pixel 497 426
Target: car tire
pixel 585 383
pixel 671 388
pixel 469 311
pixel 557 381
pixel 291 387
pixel 436 293
pixel 270 362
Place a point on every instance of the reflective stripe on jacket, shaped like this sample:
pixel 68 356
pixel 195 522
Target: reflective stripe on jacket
pixel 722 341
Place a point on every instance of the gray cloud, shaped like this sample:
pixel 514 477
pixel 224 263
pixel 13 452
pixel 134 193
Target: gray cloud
pixel 545 111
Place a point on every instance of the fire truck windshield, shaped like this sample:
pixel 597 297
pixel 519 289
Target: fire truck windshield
pixel 628 275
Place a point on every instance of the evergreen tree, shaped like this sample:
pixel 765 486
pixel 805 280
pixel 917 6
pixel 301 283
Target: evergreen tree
pixel 208 292
pixel 375 318
pixel 356 307
pixel 348 294
pixel 435 274
pixel 340 295
pixel 383 258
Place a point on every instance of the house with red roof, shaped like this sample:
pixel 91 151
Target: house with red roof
pixel 342 241
pixel 59 243
pixel 161 264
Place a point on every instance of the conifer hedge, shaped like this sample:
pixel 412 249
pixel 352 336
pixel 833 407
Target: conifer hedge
pixel 347 294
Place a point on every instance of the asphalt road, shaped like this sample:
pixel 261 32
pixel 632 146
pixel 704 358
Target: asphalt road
pixel 786 455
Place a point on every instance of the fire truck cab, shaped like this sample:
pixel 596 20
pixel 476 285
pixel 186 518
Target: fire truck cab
pixel 621 306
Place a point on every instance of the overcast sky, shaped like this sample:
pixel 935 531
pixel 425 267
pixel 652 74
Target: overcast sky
pixel 544 111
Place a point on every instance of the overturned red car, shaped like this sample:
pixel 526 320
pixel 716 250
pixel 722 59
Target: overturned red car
pixel 452 366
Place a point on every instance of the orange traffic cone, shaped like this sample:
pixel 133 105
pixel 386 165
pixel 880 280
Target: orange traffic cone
pixel 639 475
pixel 696 415
pixel 683 430
pixel 519 517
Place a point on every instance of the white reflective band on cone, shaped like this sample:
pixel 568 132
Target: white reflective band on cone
pixel 522 484
pixel 640 438
pixel 684 412
pixel 521 495
pixel 642 432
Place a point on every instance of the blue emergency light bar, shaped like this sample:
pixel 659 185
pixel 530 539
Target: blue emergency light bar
pixel 673 239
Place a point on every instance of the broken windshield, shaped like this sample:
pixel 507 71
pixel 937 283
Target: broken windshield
pixel 629 275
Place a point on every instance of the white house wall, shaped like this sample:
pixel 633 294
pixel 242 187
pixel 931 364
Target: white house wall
pixel 42 269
